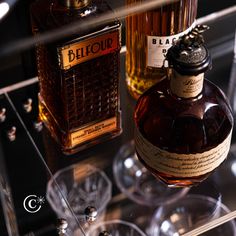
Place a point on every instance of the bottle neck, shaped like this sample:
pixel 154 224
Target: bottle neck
pixel 75 4
pixel 186 86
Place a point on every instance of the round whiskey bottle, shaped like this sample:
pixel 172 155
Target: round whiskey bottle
pixel 184 123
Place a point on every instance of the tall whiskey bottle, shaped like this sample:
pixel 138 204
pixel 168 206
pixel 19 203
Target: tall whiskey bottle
pixel 148 37
pixel 78 75
pixel 184 125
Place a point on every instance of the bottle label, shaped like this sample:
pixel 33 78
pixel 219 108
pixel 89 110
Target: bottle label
pixel 181 165
pixel 157 47
pixel 186 86
pixel 93 131
pixel 84 50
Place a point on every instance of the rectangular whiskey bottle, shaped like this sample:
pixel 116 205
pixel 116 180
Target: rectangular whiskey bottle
pixel 148 37
pixel 78 75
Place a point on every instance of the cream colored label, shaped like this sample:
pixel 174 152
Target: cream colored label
pixel 157 47
pixel 93 131
pixel 186 86
pixel 76 53
pixel 181 165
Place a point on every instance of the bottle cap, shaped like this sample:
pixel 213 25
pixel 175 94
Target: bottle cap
pixel 189 55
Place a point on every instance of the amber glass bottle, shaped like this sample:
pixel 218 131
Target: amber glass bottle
pixel 148 37
pixel 183 125
pixel 78 75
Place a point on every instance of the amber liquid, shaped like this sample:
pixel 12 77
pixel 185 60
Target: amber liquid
pixel 165 21
pixel 77 98
pixel 183 126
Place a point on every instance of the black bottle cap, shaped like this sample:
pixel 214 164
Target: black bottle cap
pixel 189 55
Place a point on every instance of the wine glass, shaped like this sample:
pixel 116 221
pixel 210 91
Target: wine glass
pixel 191 211
pixel 79 193
pixel 138 184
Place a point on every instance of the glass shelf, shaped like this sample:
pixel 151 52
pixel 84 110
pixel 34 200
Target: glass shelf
pixel 34 157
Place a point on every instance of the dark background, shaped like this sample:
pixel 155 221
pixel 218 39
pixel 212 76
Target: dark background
pixel 21 66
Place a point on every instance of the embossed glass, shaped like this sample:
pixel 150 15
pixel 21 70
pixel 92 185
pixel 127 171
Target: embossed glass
pixel 79 187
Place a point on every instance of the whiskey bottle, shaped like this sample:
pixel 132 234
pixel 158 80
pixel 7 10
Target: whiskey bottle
pixel 148 37
pixel 78 75
pixel 184 124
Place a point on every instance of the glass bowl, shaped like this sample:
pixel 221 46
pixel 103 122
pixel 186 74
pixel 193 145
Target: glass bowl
pixel 79 191
pixel 137 183
pixel 188 213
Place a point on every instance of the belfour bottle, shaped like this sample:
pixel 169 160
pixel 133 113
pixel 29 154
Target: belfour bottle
pixel 184 124
pixel 78 75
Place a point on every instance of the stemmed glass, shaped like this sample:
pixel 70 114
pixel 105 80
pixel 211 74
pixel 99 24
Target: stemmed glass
pixel 191 211
pixel 79 193
pixel 138 184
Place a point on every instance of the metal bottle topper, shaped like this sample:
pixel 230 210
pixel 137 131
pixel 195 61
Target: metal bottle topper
pixel 189 55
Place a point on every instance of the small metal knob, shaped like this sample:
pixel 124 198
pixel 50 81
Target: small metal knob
pixel 38 125
pixel 27 105
pixel 90 214
pixel 62 226
pixel 11 134
pixel 3 114
pixel 104 233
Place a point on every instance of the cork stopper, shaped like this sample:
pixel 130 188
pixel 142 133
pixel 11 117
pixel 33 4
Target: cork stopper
pixel 76 4
pixel 189 55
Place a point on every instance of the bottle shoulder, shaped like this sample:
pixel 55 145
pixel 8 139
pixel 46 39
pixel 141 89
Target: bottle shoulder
pixel 184 125
pixel 47 15
pixel 160 96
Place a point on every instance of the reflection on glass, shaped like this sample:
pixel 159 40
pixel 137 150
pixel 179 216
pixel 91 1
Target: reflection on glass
pixel 137 183
pixel 4 8
pixel 232 82
pixel 233 168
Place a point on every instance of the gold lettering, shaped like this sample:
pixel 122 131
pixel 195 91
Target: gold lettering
pixel 71 55
pixel 76 53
